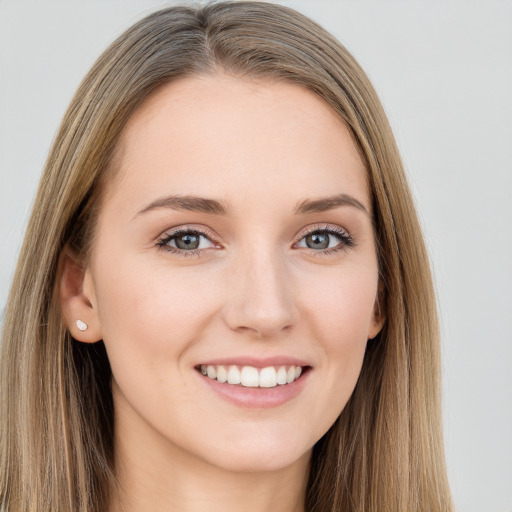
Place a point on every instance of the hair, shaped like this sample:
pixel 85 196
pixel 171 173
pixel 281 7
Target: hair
pixel 385 451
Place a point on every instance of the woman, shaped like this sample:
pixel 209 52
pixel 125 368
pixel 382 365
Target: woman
pixel 223 299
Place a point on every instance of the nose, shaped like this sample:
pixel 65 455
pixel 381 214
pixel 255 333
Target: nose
pixel 260 298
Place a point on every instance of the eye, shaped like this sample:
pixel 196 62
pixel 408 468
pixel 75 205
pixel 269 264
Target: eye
pixel 185 241
pixel 327 240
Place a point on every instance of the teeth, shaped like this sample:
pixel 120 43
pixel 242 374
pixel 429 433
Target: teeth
pixel 268 377
pixel 281 375
pixel 211 372
pixel 251 377
pixel 234 376
pixel 222 374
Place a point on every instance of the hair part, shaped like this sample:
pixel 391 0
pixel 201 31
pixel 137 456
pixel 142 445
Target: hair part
pixel 385 451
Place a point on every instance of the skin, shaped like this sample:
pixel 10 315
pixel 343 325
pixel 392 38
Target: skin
pixel 256 289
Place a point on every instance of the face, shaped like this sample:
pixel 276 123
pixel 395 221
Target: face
pixel 236 241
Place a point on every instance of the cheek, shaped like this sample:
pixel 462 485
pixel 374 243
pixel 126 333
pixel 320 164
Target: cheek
pixel 342 311
pixel 150 315
pixel 343 306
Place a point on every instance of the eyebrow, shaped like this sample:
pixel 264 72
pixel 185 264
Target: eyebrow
pixel 328 203
pixel 187 203
pixel 214 207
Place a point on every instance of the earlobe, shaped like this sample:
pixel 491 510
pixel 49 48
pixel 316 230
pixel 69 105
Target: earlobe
pixel 77 298
pixel 379 317
pixel 376 327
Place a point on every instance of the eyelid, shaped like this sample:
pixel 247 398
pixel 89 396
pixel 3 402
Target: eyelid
pixel 331 228
pixel 190 228
pixel 346 239
pixel 163 239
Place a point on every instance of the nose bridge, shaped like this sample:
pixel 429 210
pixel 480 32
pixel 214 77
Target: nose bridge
pixel 261 298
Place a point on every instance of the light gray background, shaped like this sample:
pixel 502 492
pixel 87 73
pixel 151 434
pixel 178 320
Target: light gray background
pixel 444 72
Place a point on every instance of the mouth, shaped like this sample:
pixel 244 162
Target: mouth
pixel 251 376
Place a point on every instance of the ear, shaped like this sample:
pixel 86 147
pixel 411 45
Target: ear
pixel 77 298
pixel 379 317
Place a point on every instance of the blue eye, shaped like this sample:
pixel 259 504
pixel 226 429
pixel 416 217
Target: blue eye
pixel 185 240
pixel 192 242
pixel 326 239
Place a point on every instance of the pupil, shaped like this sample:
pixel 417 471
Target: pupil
pixel 187 242
pixel 317 241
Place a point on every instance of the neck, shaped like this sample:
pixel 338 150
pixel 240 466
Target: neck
pixel 161 478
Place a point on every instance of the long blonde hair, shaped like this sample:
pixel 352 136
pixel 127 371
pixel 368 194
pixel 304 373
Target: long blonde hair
pixel 385 451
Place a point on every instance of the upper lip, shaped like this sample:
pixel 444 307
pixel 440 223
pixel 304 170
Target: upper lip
pixel 256 362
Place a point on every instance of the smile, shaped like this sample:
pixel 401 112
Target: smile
pixel 251 377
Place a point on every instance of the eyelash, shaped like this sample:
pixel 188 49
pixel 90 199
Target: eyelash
pixel 346 240
pixel 167 237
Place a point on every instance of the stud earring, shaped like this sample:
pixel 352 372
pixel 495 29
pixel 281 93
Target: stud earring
pixel 82 326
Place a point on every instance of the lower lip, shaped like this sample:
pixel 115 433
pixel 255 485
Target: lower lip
pixel 257 398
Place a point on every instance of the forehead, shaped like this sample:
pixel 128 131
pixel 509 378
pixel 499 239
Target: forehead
pixel 229 137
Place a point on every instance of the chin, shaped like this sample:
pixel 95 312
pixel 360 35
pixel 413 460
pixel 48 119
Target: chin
pixel 260 463
pixel 260 455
